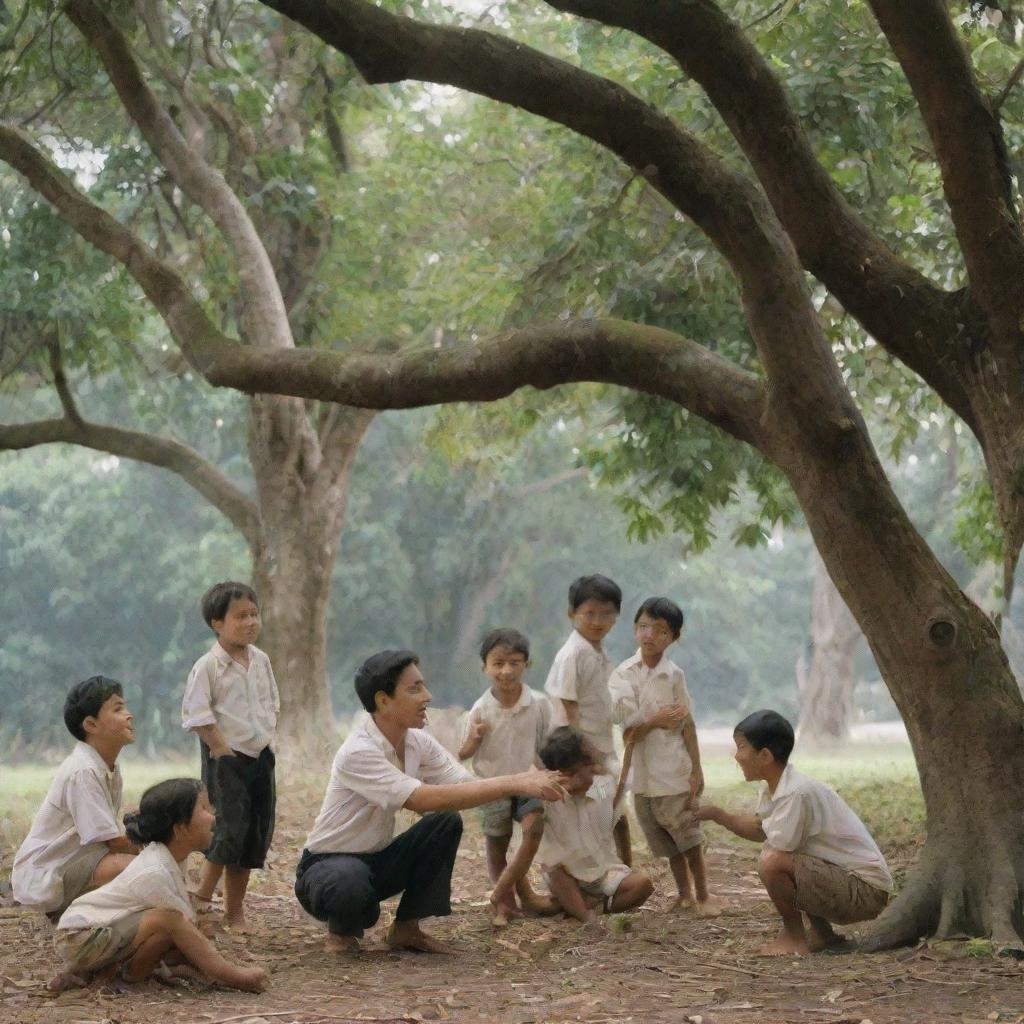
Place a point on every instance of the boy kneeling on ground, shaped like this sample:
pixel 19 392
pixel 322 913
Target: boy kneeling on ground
pixel 818 858
pixel 578 850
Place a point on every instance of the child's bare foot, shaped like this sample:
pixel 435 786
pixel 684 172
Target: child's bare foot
pixel 409 935
pixel 819 939
pixel 341 944
pixel 65 980
pixel 785 944
pixel 236 923
pixel 250 979
pixel 503 909
pixel 682 904
pixel 709 907
pixel 535 905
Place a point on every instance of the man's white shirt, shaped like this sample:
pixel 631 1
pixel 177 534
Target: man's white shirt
pixel 81 807
pixel 242 702
pixel 368 786
pixel 806 816
pixel 515 735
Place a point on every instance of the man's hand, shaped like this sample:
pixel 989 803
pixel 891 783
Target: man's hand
pixel 541 783
pixel 671 717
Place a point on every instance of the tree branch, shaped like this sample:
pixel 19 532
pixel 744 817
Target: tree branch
pixel 156 451
pixel 263 311
pixel 60 382
pixel 916 321
pixel 971 152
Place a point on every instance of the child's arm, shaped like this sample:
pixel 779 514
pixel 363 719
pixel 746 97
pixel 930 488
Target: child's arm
pixel 693 749
pixel 214 739
pixel 670 717
pixel 566 890
pixel 746 826
pixel 572 711
pixel 476 730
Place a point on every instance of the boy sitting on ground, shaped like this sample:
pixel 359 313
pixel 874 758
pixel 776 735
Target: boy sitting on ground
pixel 505 730
pixel 577 851
pixel 818 857
pixel 650 700
pixel 76 842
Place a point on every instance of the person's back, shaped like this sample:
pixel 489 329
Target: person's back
pixel 76 842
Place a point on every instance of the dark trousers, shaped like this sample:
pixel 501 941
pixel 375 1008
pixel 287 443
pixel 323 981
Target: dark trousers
pixel 345 889
pixel 244 795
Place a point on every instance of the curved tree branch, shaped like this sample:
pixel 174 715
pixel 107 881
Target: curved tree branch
pixel 263 310
pixel 60 382
pixel 915 320
pixel 156 451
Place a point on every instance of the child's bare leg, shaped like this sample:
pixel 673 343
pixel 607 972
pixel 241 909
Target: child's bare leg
pixel 776 869
pixel 634 890
pixel 623 843
pixel 208 883
pixel 503 897
pixel 822 935
pixel 236 881
pixel 497 851
pixel 515 877
pixel 706 906
pixel 167 928
pixel 110 867
pixel 566 891
pixel 681 873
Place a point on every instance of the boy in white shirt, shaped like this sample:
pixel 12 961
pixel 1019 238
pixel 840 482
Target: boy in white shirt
pixel 651 702
pixel 231 703
pixel 578 854
pixel 352 859
pixel 818 858
pixel 578 680
pixel 505 730
pixel 76 842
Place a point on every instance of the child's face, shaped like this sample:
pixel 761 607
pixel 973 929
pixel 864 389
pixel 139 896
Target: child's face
pixel 752 762
pixel 653 636
pixel 593 619
pixel 579 779
pixel 114 722
pixel 407 706
pixel 199 830
pixel 505 667
pixel 240 625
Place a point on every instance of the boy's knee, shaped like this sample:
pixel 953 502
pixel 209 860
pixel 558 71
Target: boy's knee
pixel 641 885
pixel 166 920
pixel 772 862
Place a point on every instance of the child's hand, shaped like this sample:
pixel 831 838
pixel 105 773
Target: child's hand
pixel 478 729
pixel 696 783
pixel 670 717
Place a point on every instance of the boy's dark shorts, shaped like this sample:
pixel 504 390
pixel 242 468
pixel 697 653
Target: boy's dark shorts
pixel 243 793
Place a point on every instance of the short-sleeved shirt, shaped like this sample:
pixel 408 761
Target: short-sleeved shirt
pixel 81 807
pixel 153 880
pixel 369 785
pixel 806 816
pixel 580 673
pixel 242 702
pixel 661 763
pixel 515 736
pixel 578 833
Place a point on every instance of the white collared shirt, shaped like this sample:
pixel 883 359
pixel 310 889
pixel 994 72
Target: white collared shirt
pixel 578 833
pixel 580 673
pixel 515 736
pixel 81 807
pixel 153 880
pixel 806 816
pixel 661 763
pixel 369 784
pixel 243 703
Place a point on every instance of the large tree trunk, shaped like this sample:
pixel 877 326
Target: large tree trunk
pixel 826 687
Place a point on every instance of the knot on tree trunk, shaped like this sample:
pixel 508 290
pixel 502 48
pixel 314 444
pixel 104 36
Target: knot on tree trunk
pixel 942 635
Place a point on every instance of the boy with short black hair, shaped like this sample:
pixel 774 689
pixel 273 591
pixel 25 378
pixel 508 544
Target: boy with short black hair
pixel 578 851
pixel 76 842
pixel 504 732
pixel 818 858
pixel 578 680
pixel 231 703
pixel 650 700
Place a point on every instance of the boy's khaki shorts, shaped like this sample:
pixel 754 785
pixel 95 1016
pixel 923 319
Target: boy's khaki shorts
pixel 77 876
pixel 668 823
pixel 89 949
pixel 826 890
pixel 497 816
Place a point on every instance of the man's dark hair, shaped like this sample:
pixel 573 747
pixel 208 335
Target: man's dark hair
pixel 217 600
pixel 510 638
pixel 565 750
pixel 85 699
pixel 379 674
pixel 594 588
pixel 768 729
pixel 662 608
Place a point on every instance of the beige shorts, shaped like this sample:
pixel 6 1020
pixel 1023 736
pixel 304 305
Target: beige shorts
pixel 89 949
pixel 608 884
pixel 497 816
pixel 668 823
pixel 826 890
pixel 77 875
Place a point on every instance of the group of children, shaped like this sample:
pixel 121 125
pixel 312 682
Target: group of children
pixel 118 896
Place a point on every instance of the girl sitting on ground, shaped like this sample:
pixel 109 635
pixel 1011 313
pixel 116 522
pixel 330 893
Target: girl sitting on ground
pixel 146 912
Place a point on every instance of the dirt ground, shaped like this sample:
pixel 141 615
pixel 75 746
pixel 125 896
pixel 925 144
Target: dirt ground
pixel 655 965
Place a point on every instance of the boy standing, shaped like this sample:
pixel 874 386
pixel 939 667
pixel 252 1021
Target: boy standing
pixel 650 699
pixel 578 851
pixel 231 703
pixel 505 730
pixel 76 843
pixel 818 857
pixel 578 681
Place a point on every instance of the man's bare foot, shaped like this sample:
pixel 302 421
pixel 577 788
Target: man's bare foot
pixel 785 945
pixel 709 907
pixel 341 944
pixel 409 935
pixel 65 980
